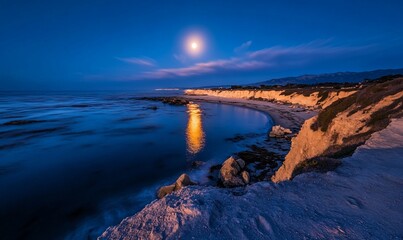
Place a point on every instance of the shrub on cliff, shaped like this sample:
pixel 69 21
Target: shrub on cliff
pixel 362 99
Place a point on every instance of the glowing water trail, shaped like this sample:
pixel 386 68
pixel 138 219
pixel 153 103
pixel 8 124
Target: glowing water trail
pixel 195 136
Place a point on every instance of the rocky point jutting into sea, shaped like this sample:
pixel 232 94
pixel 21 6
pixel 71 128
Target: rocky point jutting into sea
pixel 342 177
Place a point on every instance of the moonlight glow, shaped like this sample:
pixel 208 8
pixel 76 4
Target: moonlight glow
pixel 194 45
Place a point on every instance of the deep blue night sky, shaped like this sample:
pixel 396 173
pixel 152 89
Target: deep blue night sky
pixel 96 45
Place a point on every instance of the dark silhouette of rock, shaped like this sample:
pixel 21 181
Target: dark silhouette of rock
pixel 240 162
pixel 176 101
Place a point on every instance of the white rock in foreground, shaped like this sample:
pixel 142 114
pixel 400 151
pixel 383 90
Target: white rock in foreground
pixel 279 131
pixel 182 181
pixel 362 199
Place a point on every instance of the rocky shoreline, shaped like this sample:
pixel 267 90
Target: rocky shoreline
pixel 259 163
pixel 311 151
pixel 357 201
pixel 252 165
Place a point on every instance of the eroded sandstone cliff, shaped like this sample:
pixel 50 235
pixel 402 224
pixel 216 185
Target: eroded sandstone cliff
pixel 344 125
pixel 316 99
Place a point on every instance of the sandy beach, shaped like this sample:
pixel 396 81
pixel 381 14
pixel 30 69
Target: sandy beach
pixel 286 115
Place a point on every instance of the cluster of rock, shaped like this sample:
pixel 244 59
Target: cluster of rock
pixel 168 100
pixel 183 181
pixel 233 173
pixel 261 162
pixel 279 131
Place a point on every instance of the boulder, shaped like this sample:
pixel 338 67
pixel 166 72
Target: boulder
pixel 245 177
pixel 165 190
pixel 240 162
pixel 229 173
pixel 279 131
pixel 183 181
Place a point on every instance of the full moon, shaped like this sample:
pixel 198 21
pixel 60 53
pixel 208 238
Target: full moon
pixel 194 44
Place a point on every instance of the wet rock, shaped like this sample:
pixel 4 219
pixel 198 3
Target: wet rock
pixel 229 173
pixel 259 154
pixel 240 162
pixel 279 131
pixel 183 181
pixel 260 162
pixel 176 101
pixel 236 138
pixel 245 177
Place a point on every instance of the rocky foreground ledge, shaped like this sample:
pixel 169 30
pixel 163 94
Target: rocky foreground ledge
pixel 362 199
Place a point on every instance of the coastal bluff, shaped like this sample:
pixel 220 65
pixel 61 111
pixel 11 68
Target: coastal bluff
pixel 343 126
pixel 347 117
pixel 313 99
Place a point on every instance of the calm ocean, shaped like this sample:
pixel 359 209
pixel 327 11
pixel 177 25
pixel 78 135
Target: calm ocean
pixel 72 164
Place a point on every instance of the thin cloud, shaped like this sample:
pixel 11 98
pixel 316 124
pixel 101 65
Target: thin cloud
pixel 244 46
pixel 148 62
pixel 180 58
pixel 235 64
pixel 264 59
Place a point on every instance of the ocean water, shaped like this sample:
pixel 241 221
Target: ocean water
pixel 76 163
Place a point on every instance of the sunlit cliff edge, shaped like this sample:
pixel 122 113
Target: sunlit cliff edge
pixel 347 119
pixel 344 125
pixel 314 99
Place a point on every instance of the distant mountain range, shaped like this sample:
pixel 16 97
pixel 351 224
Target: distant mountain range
pixel 338 77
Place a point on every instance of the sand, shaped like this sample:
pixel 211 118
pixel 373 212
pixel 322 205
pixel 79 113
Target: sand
pixel 286 115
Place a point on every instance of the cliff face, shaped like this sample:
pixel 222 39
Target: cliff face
pixel 314 99
pixel 344 125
